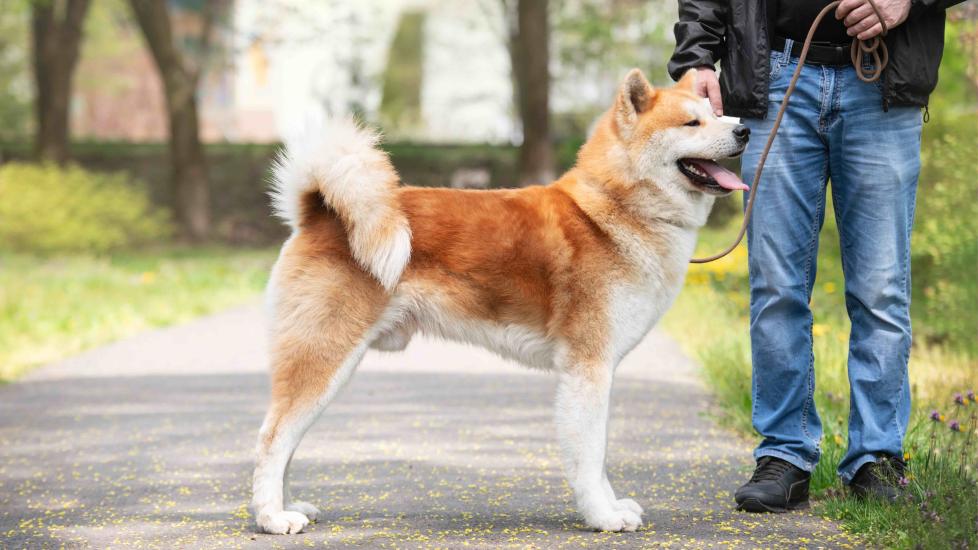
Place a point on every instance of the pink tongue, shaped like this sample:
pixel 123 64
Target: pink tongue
pixel 724 177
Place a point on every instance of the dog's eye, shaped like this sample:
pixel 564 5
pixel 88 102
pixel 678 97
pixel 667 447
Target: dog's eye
pixel 693 122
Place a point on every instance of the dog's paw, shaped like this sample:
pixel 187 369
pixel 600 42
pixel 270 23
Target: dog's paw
pixel 287 522
pixel 630 505
pixel 616 520
pixel 306 509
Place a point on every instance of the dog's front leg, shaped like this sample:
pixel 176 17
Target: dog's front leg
pixel 583 395
pixel 620 503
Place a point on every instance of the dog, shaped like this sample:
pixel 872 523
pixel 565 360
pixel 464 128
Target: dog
pixel 566 277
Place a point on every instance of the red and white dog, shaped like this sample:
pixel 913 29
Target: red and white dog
pixel 567 277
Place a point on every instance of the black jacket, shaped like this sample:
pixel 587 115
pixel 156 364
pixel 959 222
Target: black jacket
pixel 735 33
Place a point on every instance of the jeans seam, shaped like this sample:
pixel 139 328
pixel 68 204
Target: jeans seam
pixel 896 405
pixel 824 104
pixel 843 245
pixel 782 59
pixel 812 246
pixel 840 90
pixel 907 293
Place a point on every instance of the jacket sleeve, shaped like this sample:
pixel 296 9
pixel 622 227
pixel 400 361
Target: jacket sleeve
pixel 699 35
pixel 920 6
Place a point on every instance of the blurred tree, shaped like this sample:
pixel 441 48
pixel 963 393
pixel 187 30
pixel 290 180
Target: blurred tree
pixel 400 104
pixel 180 79
pixel 56 32
pixel 595 42
pixel 15 93
pixel 529 52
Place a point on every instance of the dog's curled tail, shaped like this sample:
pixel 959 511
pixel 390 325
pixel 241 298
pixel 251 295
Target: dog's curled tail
pixel 338 159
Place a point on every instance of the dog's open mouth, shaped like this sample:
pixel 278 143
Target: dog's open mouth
pixel 710 176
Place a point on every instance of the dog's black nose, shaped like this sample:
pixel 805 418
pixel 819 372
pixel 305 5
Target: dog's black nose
pixel 742 132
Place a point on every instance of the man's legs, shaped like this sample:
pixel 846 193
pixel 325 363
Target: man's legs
pixel 874 164
pixel 783 246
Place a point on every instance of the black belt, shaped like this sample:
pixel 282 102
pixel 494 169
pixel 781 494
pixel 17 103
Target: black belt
pixel 820 53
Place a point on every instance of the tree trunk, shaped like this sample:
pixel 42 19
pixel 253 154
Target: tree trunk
pixel 530 54
pixel 56 29
pixel 190 181
pixel 187 160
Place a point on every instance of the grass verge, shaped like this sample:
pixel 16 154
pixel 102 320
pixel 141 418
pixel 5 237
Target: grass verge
pixel 54 307
pixel 941 507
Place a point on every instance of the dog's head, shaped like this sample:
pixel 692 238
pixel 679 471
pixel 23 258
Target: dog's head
pixel 671 136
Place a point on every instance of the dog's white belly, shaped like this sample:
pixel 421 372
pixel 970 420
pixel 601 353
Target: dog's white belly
pixel 512 341
pixel 515 342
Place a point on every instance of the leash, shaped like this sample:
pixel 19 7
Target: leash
pixel 875 47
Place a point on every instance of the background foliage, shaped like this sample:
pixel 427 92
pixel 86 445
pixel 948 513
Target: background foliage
pixel 15 86
pixel 46 209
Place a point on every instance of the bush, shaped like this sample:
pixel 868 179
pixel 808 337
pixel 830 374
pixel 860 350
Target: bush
pixel 46 209
pixel 945 243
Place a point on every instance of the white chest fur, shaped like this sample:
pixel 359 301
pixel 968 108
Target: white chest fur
pixel 637 305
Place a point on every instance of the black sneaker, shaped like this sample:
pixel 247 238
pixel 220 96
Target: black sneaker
pixel 879 479
pixel 776 486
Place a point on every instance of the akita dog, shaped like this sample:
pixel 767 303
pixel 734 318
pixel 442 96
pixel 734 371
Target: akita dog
pixel 566 277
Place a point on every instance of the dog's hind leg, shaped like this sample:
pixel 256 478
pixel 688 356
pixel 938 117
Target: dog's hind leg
pixel 295 406
pixel 319 335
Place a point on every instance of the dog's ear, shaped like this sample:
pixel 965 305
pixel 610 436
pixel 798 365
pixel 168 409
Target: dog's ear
pixel 635 97
pixel 688 81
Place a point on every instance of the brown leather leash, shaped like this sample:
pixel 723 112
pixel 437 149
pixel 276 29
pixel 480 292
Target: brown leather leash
pixel 875 47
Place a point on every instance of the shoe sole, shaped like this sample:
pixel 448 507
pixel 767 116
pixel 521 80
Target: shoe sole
pixel 757 507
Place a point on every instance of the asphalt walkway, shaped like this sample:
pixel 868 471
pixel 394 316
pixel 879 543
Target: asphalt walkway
pixel 147 443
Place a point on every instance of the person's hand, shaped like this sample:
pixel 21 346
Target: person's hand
pixel 708 86
pixel 861 21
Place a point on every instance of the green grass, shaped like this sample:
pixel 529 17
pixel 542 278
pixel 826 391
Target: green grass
pixel 53 307
pixel 942 508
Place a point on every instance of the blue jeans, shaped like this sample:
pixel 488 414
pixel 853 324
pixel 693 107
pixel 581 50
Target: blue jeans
pixel 835 128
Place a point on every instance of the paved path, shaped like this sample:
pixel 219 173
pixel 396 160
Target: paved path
pixel 148 443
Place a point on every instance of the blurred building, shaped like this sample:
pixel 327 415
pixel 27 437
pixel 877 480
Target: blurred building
pixel 333 56
pixel 272 62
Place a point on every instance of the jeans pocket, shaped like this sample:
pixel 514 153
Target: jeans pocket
pixel 777 63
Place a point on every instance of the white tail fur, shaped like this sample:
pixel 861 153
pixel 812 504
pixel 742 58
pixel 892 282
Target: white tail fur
pixel 339 158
